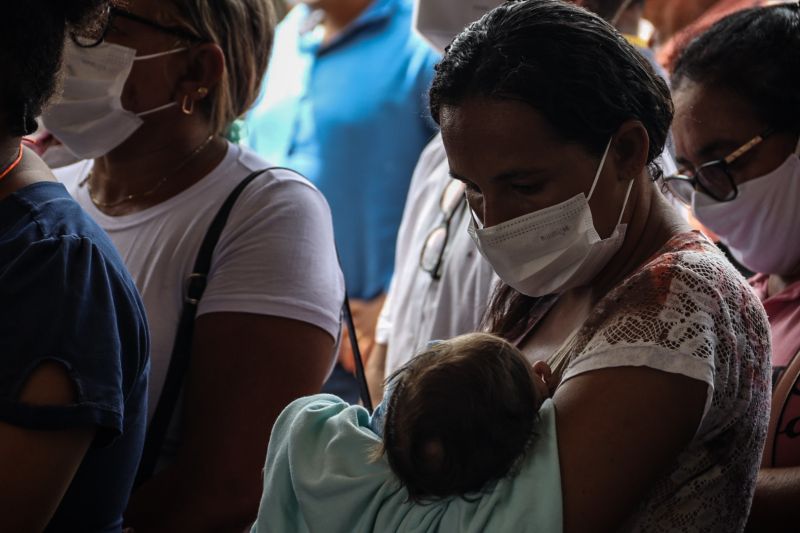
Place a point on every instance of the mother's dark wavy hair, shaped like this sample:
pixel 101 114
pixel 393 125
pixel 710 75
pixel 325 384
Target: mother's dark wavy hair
pixel 570 65
pixel 756 54
pixel 32 34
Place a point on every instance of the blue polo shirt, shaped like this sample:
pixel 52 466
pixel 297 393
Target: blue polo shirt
pixel 352 116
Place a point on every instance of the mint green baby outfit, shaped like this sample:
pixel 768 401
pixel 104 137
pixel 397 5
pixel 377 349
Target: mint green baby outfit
pixel 319 478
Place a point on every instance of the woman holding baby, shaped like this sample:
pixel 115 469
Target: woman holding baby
pixel 659 349
pixel 551 120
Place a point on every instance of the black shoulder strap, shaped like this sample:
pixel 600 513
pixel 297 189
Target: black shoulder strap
pixel 360 374
pixel 181 349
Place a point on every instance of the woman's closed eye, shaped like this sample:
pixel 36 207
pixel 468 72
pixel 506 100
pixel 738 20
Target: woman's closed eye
pixel 528 187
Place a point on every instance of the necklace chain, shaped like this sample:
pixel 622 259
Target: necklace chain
pixel 87 180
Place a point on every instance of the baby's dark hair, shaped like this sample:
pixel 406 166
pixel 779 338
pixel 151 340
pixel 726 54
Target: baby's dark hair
pixel 31 47
pixel 460 415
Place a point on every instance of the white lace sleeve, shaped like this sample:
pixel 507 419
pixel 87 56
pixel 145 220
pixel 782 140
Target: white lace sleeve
pixel 675 318
pixel 689 312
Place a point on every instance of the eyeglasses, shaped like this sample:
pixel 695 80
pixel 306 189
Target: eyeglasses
pixel 97 32
pixel 452 202
pixel 713 178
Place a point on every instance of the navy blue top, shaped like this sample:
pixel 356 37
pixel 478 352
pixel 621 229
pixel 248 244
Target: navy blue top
pixel 66 297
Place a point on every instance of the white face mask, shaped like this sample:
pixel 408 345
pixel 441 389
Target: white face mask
pixel 761 225
pixel 89 118
pixel 551 250
pixel 439 21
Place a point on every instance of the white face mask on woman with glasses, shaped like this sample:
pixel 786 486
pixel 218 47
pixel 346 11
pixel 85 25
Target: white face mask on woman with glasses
pixel 761 225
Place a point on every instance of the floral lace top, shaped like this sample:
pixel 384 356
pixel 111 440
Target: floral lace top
pixel 688 311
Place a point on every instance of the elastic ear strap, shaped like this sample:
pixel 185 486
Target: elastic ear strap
pixel 159 54
pixel 478 223
pixel 157 109
pixel 625 203
pixel 599 169
pixel 620 10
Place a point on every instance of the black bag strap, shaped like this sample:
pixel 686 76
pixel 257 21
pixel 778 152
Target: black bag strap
pixel 360 374
pixel 181 349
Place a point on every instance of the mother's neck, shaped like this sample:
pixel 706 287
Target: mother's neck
pixel 652 222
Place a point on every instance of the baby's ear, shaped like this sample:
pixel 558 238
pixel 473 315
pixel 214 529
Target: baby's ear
pixel 542 371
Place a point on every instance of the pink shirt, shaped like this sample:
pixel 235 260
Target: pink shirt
pixel 783 310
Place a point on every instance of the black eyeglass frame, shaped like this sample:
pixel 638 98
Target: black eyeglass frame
pixel 112 12
pixel 446 223
pixel 695 180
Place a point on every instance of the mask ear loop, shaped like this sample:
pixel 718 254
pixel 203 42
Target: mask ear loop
pixel 620 10
pixel 160 54
pixel 625 203
pixel 156 109
pixel 599 169
pixel 478 223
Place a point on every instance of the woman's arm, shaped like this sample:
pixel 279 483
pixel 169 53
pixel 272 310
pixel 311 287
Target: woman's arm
pixel 37 467
pixel 245 369
pixel 619 429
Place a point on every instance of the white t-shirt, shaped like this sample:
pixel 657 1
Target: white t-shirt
pixel 418 308
pixel 276 255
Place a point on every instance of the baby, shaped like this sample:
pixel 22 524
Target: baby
pixel 460 415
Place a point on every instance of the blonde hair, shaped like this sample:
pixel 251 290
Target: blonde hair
pixel 244 30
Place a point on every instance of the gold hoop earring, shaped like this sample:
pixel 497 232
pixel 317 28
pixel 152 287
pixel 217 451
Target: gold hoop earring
pixel 187 106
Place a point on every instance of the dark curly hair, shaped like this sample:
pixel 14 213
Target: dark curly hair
pixel 572 67
pixel 756 54
pixel 461 415
pixel 31 47
pixel 569 64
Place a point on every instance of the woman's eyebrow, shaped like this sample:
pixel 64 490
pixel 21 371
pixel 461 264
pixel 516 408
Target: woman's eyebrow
pixel 518 173
pixel 717 147
pixel 507 175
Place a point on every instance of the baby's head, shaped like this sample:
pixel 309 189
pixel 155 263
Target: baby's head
pixel 461 414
